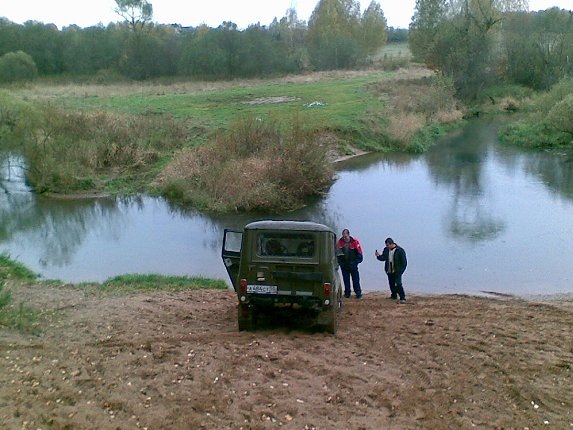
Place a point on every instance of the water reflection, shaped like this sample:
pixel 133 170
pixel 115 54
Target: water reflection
pixel 459 163
pixel 552 169
pixel 15 199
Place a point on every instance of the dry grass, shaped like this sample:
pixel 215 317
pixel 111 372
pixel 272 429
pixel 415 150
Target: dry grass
pixel 403 126
pixel 49 91
pixel 256 166
pixel 509 104
pixel 448 116
pixel 415 100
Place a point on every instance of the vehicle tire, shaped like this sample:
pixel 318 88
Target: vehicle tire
pixel 332 319
pixel 246 318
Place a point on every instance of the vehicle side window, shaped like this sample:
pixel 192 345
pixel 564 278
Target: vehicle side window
pixel 287 244
pixel 232 241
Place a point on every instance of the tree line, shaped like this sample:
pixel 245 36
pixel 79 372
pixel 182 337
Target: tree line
pixel 483 43
pixel 337 35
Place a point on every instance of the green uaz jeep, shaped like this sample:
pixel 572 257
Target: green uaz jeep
pixel 284 264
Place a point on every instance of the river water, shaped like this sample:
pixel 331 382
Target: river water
pixel 473 216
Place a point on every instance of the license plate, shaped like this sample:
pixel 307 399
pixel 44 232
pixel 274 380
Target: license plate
pixel 262 289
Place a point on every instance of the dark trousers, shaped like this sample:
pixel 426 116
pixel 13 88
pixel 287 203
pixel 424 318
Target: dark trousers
pixel 396 288
pixel 347 273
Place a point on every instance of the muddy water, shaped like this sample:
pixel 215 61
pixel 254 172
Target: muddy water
pixel 473 216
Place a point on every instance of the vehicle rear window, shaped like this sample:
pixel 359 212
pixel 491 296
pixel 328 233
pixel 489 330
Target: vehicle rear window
pixel 287 244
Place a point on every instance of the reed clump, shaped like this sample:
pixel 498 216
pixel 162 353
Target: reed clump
pixel 258 165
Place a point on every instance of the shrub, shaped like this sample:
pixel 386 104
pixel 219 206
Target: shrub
pixel 68 149
pixel 557 93
pixel 560 117
pixel 525 133
pixel 18 119
pixel 550 121
pixel 257 165
pixel 17 66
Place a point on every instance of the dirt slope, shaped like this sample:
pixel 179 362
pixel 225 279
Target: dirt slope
pixel 177 361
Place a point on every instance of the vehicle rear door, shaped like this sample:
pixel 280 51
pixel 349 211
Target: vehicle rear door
pixel 231 254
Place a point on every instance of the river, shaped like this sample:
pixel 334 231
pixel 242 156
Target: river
pixel 473 215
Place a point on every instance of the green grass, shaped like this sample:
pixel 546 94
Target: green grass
pixel 546 122
pixel 15 316
pixel 133 283
pixel 344 100
pixel 11 269
pixel 396 51
pixel 19 317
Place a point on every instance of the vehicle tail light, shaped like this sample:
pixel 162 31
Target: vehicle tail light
pixel 243 286
pixel 327 289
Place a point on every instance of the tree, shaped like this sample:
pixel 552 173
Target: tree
pixel 461 38
pixel 137 13
pixel 257 53
pixel 290 33
pixel 17 66
pixel 429 15
pixel 213 53
pixel 139 46
pixel 10 35
pixel 332 31
pixel 373 29
pixel 44 44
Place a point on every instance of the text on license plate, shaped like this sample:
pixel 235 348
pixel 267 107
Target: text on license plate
pixel 262 289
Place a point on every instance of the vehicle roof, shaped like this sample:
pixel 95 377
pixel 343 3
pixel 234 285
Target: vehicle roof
pixel 288 225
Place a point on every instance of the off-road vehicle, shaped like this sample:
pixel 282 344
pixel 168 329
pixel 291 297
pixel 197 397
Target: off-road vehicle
pixel 284 264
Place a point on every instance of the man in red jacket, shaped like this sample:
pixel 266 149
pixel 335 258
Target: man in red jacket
pixel 349 257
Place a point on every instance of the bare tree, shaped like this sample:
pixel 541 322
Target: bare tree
pixel 137 13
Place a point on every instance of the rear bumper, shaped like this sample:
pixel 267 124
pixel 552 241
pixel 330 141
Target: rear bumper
pixel 301 300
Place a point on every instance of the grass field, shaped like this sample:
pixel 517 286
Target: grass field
pixel 396 51
pixel 335 100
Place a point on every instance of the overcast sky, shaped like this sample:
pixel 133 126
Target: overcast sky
pixel 86 13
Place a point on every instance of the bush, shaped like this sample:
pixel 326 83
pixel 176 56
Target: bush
pixel 560 117
pixel 258 165
pixel 17 66
pixel 550 122
pixel 534 134
pixel 557 93
pixel 68 149
pixel 18 119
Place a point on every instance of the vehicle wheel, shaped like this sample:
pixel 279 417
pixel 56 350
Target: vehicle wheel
pixel 332 319
pixel 246 318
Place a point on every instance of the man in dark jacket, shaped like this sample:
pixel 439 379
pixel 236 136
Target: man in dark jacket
pixel 395 264
pixel 349 257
